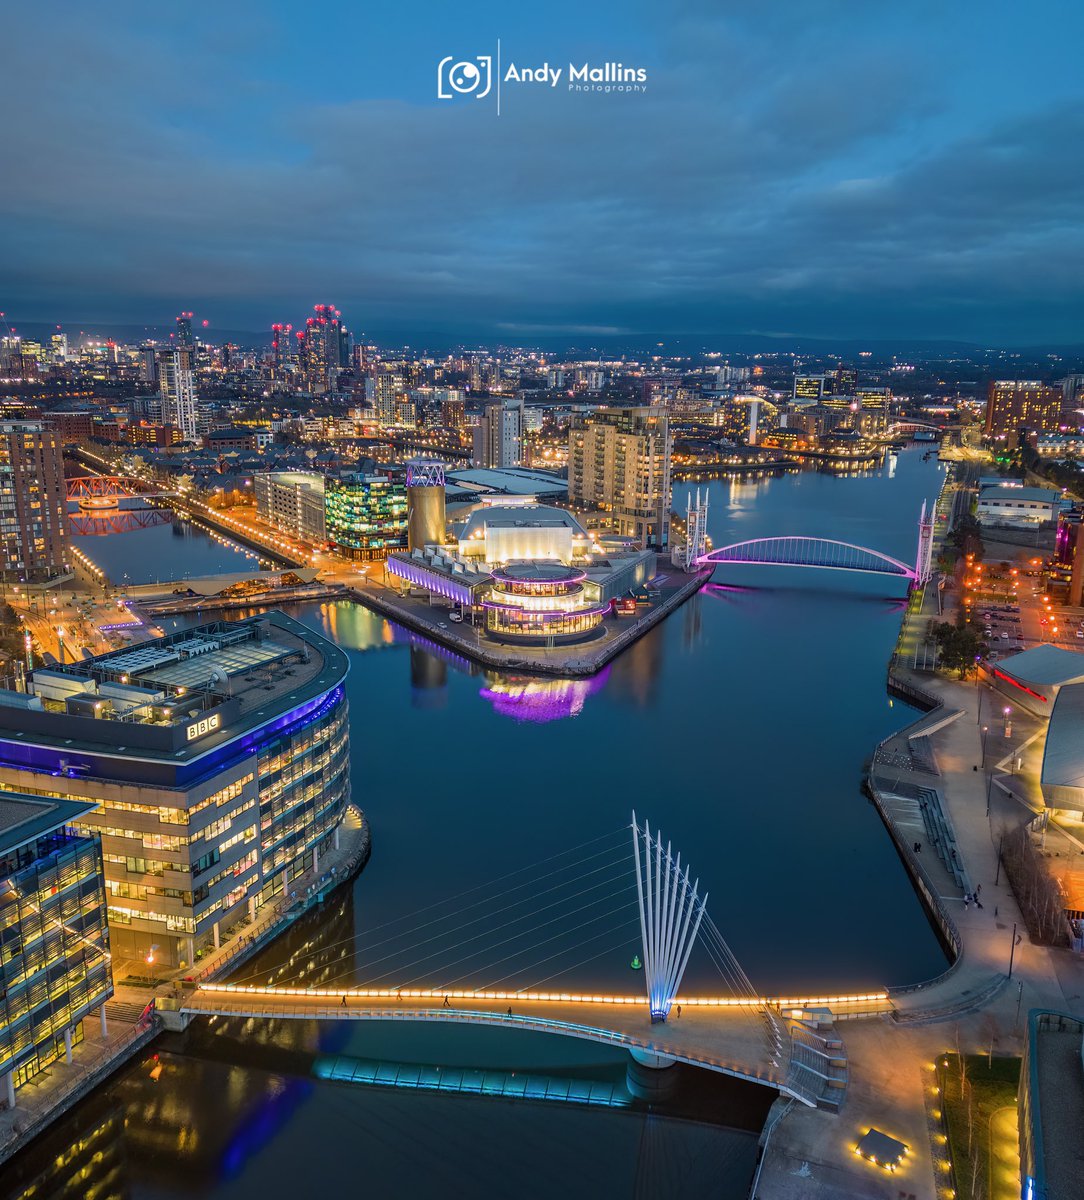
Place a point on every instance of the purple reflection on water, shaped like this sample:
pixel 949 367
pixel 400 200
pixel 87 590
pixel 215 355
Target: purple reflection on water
pixel 522 698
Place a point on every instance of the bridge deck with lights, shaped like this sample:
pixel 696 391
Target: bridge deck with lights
pixel 720 1034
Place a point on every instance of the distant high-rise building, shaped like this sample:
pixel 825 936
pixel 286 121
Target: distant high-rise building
pixel 619 463
pixel 281 348
pixel 59 347
pixel 148 364
pixel 1072 400
pixel 178 386
pixel 346 346
pixel 322 350
pixel 1012 403
pixel 453 407
pixel 726 375
pixel 498 438
pixel 873 407
pixel 183 338
pixel 33 501
pixel 388 387
pixel 809 387
pixel 843 381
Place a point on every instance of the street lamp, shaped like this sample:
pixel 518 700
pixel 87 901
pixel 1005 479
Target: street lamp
pixel 1007 712
pixel 985 731
pixel 60 642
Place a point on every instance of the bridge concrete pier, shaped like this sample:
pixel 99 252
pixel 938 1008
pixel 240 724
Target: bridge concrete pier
pixel 651 1076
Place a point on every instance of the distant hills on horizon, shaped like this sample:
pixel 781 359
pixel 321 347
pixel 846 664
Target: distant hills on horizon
pixel 638 345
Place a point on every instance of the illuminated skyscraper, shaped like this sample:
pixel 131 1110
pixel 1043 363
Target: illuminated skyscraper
pixel 184 337
pixel 388 387
pixel 33 504
pixel 843 381
pixel 54 942
pixel 619 463
pixel 498 439
pixel 1012 403
pixel 178 387
pixel 322 349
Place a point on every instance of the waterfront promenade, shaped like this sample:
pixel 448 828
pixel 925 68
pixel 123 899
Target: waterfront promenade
pixel 973 1006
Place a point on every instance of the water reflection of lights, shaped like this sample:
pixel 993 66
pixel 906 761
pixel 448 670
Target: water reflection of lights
pixel 540 700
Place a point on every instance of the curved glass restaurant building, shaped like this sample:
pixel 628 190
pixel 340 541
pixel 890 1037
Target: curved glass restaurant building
pixel 540 601
pixel 218 762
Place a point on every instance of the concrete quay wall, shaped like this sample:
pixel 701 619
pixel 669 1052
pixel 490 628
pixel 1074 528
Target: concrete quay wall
pixel 581 660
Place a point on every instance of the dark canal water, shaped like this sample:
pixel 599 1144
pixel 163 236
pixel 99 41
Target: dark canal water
pixel 176 550
pixel 740 726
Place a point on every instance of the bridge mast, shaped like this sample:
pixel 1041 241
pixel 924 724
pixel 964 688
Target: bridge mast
pixel 696 530
pixel 924 558
pixel 670 914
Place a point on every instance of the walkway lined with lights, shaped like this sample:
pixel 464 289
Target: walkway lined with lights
pixel 504 930
pixel 716 1034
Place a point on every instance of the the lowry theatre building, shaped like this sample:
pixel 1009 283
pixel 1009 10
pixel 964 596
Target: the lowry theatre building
pixel 218 759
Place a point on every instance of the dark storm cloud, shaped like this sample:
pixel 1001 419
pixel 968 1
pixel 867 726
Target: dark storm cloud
pixel 800 169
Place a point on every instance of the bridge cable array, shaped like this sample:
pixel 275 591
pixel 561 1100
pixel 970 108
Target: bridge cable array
pixel 536 909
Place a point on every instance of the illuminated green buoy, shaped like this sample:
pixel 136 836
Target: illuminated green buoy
pixel 636 964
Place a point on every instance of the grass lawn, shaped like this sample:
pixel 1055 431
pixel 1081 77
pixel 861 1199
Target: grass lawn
pixel 990 1088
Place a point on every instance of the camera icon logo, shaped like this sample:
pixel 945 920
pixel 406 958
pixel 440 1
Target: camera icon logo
pixel 464 77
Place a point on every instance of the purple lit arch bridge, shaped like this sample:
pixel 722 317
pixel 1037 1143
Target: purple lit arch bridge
pixel 829 555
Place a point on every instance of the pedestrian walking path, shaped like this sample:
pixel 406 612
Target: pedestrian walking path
pixel 986 929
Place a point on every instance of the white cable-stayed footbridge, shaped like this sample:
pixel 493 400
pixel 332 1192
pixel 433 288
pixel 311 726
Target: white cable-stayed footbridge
pixel 514 953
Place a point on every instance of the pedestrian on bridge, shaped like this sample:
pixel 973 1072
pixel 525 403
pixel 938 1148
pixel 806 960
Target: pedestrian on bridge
pixel 446 1004
pixel 344 1001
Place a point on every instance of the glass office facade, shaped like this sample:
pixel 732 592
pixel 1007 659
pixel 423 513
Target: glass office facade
pixel 54 946
pixel 366 518
pixel 304 780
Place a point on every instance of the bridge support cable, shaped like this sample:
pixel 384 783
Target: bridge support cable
pixel 628 927
pixel 531 927
pixel 519 939
pixel 670 914
pixel 629 932
pixel 534 910
pixel 611 847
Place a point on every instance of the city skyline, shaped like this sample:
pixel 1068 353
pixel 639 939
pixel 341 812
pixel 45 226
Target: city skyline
pixel 856 175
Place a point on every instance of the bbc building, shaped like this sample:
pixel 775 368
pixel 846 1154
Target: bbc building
pixel 218 762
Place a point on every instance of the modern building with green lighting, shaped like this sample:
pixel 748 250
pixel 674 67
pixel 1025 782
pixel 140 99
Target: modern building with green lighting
pixel 365 516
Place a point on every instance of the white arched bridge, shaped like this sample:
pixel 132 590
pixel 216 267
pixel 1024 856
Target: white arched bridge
pixel 810 552
pixel 791 550
pixel 786 1043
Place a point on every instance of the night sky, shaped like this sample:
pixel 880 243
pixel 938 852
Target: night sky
pixel 823 168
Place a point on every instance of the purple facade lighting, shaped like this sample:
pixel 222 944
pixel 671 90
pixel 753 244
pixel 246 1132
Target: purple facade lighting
pixel 550 614
pixel 424 472
pixel 432 581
